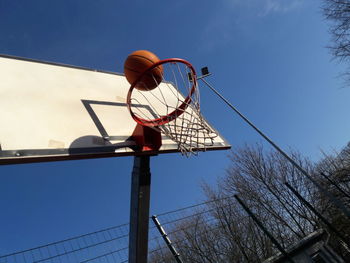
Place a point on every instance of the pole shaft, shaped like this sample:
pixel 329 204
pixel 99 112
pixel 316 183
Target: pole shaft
pixel 139 210
pixel 335 185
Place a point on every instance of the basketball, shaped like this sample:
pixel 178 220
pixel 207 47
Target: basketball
pixel 136 63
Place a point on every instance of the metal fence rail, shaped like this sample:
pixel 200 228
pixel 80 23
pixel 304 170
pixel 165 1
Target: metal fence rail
pixel 187 230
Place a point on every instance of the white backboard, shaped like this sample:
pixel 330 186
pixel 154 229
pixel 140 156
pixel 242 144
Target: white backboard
pixel 54 112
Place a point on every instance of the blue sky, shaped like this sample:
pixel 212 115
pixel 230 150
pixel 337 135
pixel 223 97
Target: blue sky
pixel 268 57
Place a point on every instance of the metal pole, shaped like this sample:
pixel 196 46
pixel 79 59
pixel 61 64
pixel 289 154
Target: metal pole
pixel 139 210
pixel 335 185
pixel 322 189
pixel 262 227
pixel 323 219
pixel 166 239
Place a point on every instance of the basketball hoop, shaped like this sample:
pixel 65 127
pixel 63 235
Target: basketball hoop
pixel 166 110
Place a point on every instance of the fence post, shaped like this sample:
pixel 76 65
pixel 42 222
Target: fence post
pixel 166 239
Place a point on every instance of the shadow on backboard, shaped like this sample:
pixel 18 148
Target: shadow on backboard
pixel 92 144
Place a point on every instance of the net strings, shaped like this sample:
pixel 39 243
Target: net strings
pixel 189 129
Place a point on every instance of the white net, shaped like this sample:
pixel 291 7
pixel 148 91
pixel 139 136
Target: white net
pixel 168 108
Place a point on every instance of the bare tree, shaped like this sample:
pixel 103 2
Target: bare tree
pixel 338 12
pixel 333 172
pixel 258 177
pixel 223 232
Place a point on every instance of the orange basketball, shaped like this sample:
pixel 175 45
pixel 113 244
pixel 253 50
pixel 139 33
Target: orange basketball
pixel 136 63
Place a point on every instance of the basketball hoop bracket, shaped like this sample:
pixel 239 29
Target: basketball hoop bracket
pixel 147 138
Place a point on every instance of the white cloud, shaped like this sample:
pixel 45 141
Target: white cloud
pixel 279 6
pixel 236 15
pixel 265 7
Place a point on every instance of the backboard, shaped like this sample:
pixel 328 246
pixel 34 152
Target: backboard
pixel 51 112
